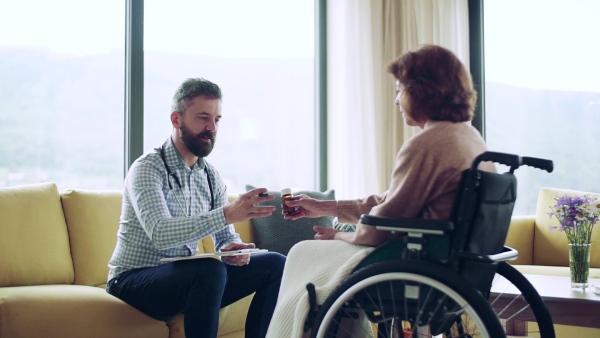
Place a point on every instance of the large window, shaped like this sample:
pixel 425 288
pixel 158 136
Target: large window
pixel 61 93
pixel 261 54
pixel 542 90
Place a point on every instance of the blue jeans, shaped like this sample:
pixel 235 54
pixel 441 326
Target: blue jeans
pixel 200 287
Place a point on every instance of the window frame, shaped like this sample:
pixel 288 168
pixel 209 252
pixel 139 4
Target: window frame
pixel 477 61
pixel 134 86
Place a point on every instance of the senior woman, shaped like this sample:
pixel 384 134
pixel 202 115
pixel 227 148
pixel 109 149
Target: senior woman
pixel 434 92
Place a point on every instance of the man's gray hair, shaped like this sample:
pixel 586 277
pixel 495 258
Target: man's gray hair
pixel 191 88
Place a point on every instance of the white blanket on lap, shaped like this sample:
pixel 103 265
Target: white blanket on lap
pixel 323 263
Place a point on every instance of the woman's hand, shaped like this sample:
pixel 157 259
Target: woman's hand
pixel 310 208
pixel 323 233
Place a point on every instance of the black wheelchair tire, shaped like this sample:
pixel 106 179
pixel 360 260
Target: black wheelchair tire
pixel 427 270
pixel 539 309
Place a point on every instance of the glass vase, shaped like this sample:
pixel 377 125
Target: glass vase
pixel 579 263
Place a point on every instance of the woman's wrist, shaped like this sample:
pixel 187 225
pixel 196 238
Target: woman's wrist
pixel 330 207
pixel 344 236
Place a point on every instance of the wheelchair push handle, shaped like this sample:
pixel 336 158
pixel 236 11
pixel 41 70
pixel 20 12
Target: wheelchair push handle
pixel 539 163
pixel 513 161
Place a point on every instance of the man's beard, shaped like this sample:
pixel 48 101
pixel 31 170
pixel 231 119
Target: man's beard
pixel 194 143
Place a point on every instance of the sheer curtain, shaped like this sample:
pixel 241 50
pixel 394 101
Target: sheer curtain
pixel 365 130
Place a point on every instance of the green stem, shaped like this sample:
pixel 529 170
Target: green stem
pixel 579 261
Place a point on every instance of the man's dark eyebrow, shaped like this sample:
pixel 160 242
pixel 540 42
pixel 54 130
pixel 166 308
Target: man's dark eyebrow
pixel 206 113
pixel 201 113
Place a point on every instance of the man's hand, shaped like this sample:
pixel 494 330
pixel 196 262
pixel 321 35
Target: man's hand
pixel 310 208
pixel 324 233
pixel 239 260
pixel 243 207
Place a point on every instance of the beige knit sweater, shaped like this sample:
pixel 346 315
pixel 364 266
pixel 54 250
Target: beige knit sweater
pixel 426 175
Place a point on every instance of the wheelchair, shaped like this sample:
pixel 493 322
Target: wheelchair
pixel 435 280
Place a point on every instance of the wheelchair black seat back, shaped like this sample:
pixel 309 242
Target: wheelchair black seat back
pixel 482 210
pixel 440 272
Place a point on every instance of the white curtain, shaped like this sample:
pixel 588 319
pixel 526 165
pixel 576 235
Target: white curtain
pixel 365 129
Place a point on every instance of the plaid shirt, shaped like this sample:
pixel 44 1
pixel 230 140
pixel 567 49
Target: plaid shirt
pixel 158 222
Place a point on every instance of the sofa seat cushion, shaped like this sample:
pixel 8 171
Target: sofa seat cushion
pixel 552 270
pixel 71 311
pixel 232 320
pixel 32 231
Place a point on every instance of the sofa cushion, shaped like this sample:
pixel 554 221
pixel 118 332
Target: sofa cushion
pixel 278 234
pixel 520 237
pixel 68 311
pixel 33 229
pixel 551 246
pixel 92 220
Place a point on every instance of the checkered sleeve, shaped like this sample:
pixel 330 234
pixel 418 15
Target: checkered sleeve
pixel 148 191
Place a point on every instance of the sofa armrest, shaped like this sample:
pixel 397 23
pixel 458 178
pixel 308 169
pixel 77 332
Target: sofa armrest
pixel 520 237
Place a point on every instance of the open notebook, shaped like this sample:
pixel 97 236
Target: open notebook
pixel 216 254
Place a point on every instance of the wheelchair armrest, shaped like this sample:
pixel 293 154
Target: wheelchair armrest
pixel 426 226
pixel 507 254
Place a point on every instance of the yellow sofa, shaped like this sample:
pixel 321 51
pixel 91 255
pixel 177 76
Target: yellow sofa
pixel 54 250
pixel 545 252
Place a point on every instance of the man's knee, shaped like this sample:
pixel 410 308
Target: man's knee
pixel 277 262
pixel 206 273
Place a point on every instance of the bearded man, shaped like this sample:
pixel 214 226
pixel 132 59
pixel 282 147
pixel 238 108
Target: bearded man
pixel 173 198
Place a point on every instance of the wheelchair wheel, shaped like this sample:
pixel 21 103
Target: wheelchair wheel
pixel 405 298
pixel 518 303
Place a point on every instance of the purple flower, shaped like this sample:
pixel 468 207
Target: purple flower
pixel 577 216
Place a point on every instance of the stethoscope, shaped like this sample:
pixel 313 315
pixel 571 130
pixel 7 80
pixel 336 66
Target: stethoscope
pixel 170 174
